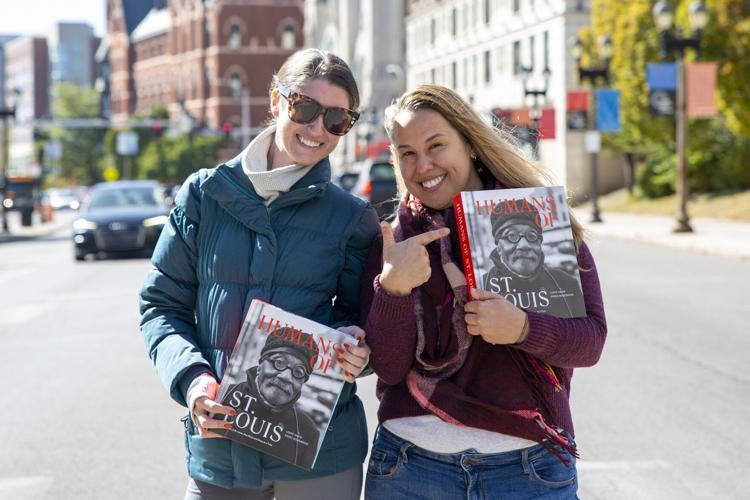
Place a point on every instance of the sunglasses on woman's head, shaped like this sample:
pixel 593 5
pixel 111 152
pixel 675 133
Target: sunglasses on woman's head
pixel 303 110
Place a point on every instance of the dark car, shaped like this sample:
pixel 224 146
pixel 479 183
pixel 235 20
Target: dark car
pixel 347 180
pixel 377 184
pixel 120 217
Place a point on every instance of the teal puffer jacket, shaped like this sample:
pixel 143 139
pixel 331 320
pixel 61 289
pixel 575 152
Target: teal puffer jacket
pixel 221 248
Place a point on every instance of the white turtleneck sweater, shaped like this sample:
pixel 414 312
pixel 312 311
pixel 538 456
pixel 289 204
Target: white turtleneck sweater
pixel 269 184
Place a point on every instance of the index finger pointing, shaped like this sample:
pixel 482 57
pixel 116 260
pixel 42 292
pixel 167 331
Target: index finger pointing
pixel 430 236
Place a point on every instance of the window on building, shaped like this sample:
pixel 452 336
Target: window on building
pixel 517 57
pixel 454 75
pixel 288 38
pixel 546 49
pixel 433 31
pixel 433 74
pixel 487 67
pixel 235 86
pixel 516 6
pixel 466 73
pixel 532 51
pixel 454 21
pixel 235 37
pixel 487 11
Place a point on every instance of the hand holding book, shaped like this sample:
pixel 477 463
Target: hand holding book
pixel 406 264
pixel 353 359
pixel 494 318
pixel 202 405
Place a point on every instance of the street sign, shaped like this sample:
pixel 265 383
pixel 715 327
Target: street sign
pixel 111 173
pixel 53 149
pixel 127 143
pixel 661 102
pixel 593 141
pixel 608 110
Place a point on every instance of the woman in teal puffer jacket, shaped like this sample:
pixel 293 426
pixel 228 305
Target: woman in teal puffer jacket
pixel 269 225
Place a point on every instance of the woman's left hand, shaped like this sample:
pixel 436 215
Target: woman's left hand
pixel 354 359
pixel 494 318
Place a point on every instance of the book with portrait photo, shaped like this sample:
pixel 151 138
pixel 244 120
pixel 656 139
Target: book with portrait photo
pixel 518 243
pixel 283 380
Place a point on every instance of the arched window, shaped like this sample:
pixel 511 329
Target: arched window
pixel 235 37
pixel 288 38
pixel 235 86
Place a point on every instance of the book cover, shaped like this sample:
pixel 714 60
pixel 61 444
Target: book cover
pixel 283 380
pixel 518 243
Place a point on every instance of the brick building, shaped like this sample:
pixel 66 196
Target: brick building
pixel 201 59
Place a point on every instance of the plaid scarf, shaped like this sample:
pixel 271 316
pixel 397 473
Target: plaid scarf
pixel 429 381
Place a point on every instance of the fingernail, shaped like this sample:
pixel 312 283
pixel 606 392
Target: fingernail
pixel 227 426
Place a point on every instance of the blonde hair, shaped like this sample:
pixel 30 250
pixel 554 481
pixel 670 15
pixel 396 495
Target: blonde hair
pixel 494 147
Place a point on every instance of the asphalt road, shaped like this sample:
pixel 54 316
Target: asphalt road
pixel 662 416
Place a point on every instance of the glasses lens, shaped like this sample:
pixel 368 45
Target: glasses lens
pixel 299 371
pixel 532 237
pixel 512 236
pixel 337 121
pixel 303 110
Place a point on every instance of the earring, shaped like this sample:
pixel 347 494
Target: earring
pixel 473 156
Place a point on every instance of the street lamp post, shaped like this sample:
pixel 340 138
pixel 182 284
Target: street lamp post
pixel 6 114
pixel 536 94
pixel 664 18
pixel 592 74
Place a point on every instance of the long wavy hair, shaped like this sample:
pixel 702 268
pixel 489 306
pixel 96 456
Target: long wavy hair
pixel 494 146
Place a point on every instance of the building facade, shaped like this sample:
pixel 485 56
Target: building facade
pixel 71 54
pixel 27 79
pixel 208 62
pixel 492 51
pixel 369 35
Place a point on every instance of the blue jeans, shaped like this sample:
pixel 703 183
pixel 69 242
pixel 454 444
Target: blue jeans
pixel 399 469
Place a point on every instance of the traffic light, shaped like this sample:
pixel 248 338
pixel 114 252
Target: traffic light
pixel 157 129
pixel 228 130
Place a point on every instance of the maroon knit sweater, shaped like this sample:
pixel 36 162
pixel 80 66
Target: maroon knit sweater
pixel 489 372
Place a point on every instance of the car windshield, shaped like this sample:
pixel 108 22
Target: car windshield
pixel 126 197
pixel 382 172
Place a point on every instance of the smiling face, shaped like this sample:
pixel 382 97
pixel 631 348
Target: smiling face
pixel 433 159
pixel 279 387
pixel 523 257
pixel 304 144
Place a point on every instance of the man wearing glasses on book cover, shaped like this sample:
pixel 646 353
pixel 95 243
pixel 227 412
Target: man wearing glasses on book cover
pixel 268 414
pixel 519 272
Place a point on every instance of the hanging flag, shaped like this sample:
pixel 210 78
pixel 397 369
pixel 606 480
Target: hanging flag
pixel 547 124
pixel 608 110
pixel 662 76
pixel 521 116
pixel 578 100
pixel 577 107
pixel 700 83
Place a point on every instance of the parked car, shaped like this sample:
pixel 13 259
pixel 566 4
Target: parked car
pixel 377 184
pixel 120 217
pixel 63 198
pixel 347 180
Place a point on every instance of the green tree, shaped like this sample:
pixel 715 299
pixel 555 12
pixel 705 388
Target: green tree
pixel 636 43
pixel 81 146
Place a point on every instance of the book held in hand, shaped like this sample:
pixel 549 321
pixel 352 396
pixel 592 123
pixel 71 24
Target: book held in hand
pixel 518 243
pixel 283 380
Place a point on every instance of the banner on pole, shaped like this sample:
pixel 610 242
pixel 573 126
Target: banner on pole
pixel 608 110
pixel 547 124
pixel 700 83
pixel 662 76
pixel 578 100
pixel 662 102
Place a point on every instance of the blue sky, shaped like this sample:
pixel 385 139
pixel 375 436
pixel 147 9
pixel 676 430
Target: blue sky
pixel 35 17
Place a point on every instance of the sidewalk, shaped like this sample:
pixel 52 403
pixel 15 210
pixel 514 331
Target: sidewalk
pixel 17 232
pixel 709 236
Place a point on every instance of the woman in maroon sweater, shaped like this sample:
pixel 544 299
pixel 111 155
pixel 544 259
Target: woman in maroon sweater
pixel 467 408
